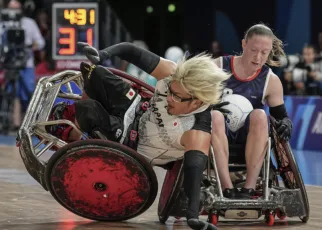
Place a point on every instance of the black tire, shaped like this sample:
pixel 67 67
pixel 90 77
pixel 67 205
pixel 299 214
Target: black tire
pixel 112 154
pixel 288 168
pixel 173 182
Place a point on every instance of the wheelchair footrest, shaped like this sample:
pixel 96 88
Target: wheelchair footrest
pixel 287 200
pixel 225 204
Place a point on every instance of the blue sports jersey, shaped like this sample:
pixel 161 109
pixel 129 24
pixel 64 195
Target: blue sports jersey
pixel 253 89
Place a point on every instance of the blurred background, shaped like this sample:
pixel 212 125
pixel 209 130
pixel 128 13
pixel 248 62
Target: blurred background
pixel 38 39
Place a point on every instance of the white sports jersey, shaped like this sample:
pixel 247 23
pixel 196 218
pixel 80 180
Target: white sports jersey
pixel 159 132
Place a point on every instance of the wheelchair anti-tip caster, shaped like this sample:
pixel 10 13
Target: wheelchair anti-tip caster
pixel 269 218
pixel 280 214
pixel 213 219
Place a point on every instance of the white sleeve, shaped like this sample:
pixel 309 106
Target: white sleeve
pixel 36 35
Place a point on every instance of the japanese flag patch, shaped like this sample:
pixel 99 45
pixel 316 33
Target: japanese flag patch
pixel 130 94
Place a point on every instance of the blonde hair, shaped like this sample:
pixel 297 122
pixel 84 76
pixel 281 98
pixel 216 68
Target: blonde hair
pixel 201 78
pixel 278 47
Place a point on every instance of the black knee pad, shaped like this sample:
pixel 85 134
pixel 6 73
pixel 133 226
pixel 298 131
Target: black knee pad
pixel 195 159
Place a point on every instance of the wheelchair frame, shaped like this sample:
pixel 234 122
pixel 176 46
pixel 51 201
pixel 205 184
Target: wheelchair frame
pixel 290 201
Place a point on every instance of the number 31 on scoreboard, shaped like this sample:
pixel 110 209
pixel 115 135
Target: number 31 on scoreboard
pixel 72 24
pixel 70 40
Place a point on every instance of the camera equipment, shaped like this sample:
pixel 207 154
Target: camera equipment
pixel 13 58
pixel 290 61
pixel 14 54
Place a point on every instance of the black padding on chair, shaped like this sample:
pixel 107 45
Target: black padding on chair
pixel 237 154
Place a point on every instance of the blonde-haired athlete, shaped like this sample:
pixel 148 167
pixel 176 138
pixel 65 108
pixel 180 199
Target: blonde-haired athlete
pixel 177 123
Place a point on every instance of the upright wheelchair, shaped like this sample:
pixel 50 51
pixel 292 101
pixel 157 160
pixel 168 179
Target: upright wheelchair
pixel 108 181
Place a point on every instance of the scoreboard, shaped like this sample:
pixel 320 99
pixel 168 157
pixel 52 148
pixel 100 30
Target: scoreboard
pixel 72 23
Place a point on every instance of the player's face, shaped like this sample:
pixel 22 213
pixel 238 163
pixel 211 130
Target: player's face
pixel 256 51
pixel 179 100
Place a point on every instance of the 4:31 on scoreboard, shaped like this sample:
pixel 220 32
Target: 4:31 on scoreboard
pixel 72 23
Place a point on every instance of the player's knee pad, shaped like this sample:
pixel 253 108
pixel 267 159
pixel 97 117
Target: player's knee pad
pixel 195 159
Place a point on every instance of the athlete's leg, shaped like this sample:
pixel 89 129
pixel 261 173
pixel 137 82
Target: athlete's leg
pixel 219 141
pixel 256 146
pixel 114 94
pixel 110 99
pixel 196 143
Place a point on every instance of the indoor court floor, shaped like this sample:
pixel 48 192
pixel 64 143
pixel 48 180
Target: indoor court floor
pixel 24 204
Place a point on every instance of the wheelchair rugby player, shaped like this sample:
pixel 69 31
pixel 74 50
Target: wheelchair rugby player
pixel 176 124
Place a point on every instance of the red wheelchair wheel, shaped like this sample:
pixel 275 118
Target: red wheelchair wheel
pixel 101 180
pixel 170 190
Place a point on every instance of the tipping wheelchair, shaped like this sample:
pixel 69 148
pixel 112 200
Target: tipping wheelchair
pixel 108 181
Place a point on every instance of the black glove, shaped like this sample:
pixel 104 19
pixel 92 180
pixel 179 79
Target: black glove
pixel 92 54
pixel 219 108
pixel 284 128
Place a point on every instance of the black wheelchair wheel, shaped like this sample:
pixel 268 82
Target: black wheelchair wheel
pixel 288 168
pixel 101 180
pixel 170 191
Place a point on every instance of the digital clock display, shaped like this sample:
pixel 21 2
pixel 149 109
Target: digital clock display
pixel 73 23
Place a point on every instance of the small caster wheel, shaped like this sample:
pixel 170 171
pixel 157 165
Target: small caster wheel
pixel 281 215
pixel 213 219
pixel 269 219
pixel 304 219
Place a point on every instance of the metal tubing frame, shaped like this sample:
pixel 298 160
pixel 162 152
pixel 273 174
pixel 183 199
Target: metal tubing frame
pixel 47 91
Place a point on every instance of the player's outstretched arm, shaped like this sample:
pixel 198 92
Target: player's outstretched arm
pixel 147 61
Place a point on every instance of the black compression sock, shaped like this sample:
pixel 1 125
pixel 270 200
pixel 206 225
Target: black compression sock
pixel 194 165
